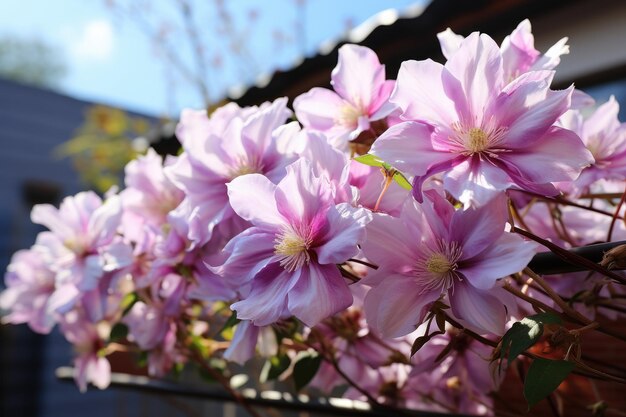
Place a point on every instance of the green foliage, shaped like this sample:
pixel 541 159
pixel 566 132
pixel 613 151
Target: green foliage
pixel 544 376
pixel 306 365
pixel 199 344
pixel 230 323
pixel 103 146
pixel 523 334
pixel 118 332
pixel 128 302
pixel 274 367
pixel 374 161
pixel 420 342
pixel 217 365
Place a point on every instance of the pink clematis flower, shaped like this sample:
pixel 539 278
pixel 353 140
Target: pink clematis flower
pixel 231 143
pixel 247 339
pixel 148 197
pixel 30 283
pixel 287 260
pixel 485 135
pixel 457 380
pixel 605 137
pixel 89 365
pixel 432 251
pixel 357 350
pixel 82 244
pixel 360 97
pixel 518 51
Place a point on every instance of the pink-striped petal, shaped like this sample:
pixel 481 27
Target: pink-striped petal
pixel 319 293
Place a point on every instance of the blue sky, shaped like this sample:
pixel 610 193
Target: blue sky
pixel 110 60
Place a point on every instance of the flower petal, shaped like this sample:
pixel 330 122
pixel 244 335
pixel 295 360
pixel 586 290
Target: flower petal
pixel 530 109
pixel 256 133
pixel 418 93
pixel 518 49
pixel 249 252
pixel 301 196
pixel 358 75
pixel 318 108
pixel 252 198
pixel 395 308
pixel 479 308
pixel 244 343
pixel 319 293
pixel 545 161
pixel 407 146
pixel 346 230
pixel 477 64
pixel 477 228
pixel 267 301
pixel 450 42
pixel 474 182
pixel 506 255
pixel 380 106
pixel 390 242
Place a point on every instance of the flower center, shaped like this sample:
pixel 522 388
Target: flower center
pixel 477 140
pixel 348 116
pixel 78 246
pixel 293 249
pixel 247 165
pixel 594 145
pixel 243 170
pixel 469 139
pixel 438 264
pixel 437 270
pixel 454 383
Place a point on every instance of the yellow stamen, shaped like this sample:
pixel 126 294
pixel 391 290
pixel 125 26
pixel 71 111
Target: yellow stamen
pixel 438 264
pixel 243 170
pixel 478 139
pixel 293 250
pixel 348 116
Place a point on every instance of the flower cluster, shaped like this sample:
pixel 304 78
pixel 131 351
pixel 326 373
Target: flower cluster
pixel 385 233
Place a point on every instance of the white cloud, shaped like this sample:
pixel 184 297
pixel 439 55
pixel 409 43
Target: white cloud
pixel 94 41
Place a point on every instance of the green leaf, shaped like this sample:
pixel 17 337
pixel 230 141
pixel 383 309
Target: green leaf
pixel 419 343
pixel 231 322
pixel 142 359
pixel 370 160
pixel 118 332
pixel 402 181
pixel 440 319
pixel 128 302
pixel 274 367
pixel 178 369
pixel 305 368
pixel 545 318
pixel 198 343
pixel 517 339
pixel 374 161
pixel 523 334
pixel 422 340
pixel 543 377
pixel 289 328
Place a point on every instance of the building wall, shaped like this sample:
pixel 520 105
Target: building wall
pixel 32 123
pixel 596 32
